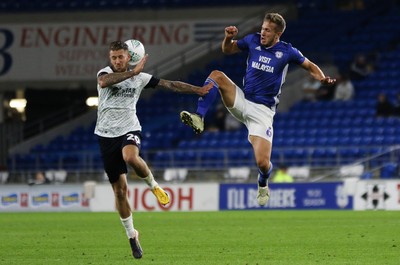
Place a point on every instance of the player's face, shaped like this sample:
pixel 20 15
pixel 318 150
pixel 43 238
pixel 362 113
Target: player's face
pixel 269 36
pixel 119 59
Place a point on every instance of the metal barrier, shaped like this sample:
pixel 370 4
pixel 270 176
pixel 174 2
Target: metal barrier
pixel 88 165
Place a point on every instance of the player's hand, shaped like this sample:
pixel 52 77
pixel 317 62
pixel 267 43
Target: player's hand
pixel 231 32
pixel 328 81
pixel 205 89
pixel 139 67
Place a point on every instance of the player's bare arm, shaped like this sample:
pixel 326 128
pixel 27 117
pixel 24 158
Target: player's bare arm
pixel 317 73
pixel 229 46
pixel 182 87
pixel 114 78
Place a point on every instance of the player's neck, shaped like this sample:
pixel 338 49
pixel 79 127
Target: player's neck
pixel 272 45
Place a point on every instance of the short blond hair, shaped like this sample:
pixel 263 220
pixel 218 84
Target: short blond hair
pixel 277 19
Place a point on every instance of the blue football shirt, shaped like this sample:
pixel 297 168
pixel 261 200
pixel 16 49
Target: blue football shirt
pixel 266 69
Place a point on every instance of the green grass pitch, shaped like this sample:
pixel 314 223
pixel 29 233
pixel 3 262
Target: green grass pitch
pixel 194 238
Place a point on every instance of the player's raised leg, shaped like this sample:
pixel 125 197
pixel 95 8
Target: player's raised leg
pixel 220 83
pixel 131 156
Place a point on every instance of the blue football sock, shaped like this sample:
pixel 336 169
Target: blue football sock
pixel 205 102
pixel 263 178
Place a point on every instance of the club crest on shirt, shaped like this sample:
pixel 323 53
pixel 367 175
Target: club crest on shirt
pixel 278 55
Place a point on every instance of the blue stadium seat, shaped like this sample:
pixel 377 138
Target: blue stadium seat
pixel 296 157
pixel 241 157
pixel 162 159
pixel 213 159
pixel 324 156
pixel 389 171
pixel 185 159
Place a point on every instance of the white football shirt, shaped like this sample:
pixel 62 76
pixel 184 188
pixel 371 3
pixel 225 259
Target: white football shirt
pixel 116 114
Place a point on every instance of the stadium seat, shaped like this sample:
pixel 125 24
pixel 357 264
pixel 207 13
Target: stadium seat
pixel 162 159
pixel 366 176
pixel 349 171
pixel 213 159
pixel 389 171
pixel 175 174
pixel 56 176
pixel 4 177
pixel 300 173
pixel 238 174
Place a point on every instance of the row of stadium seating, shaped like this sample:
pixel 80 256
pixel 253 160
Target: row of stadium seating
pixel 215 158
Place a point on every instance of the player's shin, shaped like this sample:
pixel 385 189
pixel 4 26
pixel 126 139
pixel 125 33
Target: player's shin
pixel 262 177
pixel 128 224
pixel 205 102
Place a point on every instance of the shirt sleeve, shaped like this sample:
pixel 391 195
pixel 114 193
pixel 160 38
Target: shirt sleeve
pixel 104 71
pixel 101 73
pixel 296 56
pixel 153 82
pixel 243 44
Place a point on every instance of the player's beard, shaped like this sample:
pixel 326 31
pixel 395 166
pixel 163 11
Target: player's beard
pixel 270 42
pixel 121 67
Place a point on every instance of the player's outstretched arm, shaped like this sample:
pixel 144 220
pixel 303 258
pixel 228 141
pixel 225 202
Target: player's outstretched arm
pixel 114 78
pixel 182 87
pixel 317 73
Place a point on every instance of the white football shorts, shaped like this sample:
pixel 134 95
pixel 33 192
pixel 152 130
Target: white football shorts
pixel 258 118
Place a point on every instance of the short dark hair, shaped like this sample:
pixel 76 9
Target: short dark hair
pixel 277 19
pixel 118 45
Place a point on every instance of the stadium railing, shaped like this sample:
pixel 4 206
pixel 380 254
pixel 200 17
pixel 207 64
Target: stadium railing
pixel 81 166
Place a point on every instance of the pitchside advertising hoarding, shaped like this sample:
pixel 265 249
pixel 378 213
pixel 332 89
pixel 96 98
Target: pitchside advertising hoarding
pixel 361 195
pixel 43 198
pixel 377 195
pixel 77 51
pixel 183 197
pixel 286 196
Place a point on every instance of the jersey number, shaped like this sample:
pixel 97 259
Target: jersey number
pixel 132 137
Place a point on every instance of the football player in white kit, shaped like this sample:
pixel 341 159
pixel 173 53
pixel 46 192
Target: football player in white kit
pixel 119 130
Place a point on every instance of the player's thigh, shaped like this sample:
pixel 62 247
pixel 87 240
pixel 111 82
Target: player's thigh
pixel 259 120
pixel 238 109
pixel 131 145
pixel 227 87
pixel 121 185
pixel 114 164
pixel 262 150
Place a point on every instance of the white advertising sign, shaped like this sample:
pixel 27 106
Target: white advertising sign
pixel 183 197
pixel 43 198
pixel 77 51
pixel 377 195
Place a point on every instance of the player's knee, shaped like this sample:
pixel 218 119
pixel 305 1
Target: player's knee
pixel 263 165
pixel 217 76
pixel 131 159
pixel 120 193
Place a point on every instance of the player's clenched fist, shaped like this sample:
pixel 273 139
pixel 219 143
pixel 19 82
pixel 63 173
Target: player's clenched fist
pixel 231 31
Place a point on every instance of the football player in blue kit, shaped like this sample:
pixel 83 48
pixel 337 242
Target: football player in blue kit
pixel 255 104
